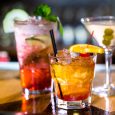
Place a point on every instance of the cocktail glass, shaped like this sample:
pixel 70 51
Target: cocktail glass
pixel 72 75
pixel 102 28
pixel 33 44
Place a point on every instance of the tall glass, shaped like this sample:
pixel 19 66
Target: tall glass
pixel 72 75
pixel 102 28
pixel 33 44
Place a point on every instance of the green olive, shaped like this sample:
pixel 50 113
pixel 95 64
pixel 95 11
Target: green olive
pixel 108 31
pixel 106 42
pixel 108 37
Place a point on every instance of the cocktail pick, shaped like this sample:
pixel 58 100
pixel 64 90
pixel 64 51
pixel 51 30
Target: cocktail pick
pixel 92 37
pixel 55 52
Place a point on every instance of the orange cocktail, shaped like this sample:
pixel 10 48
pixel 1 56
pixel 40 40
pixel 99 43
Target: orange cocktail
pixel 73 73
pixel 75 78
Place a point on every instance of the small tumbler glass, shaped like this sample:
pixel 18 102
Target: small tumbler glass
pixel 72 75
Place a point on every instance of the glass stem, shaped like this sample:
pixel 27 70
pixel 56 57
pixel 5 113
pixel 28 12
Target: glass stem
pixel 108 63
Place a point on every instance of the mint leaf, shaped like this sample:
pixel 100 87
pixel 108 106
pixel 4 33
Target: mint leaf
pixel 42 10
pixel 61 28
pixel 45 11
pixel 55 19
pixel 51 18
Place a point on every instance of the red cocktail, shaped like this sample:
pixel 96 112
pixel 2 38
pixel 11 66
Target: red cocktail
pixel 33 45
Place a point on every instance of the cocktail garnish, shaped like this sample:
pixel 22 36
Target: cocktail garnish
pixel 8 21
pixel 84 55
pixel 86 48
pixel 108 36
pixel 108 31
pixel 90 37
pixel 35 41
pixel 45 11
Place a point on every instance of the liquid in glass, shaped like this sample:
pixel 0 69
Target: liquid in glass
pixel 73 75
pixel 33 45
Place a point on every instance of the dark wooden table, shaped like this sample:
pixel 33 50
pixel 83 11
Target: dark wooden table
pixel 12 102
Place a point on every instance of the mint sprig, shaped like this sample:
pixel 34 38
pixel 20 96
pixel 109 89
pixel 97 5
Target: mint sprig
pixel 45 11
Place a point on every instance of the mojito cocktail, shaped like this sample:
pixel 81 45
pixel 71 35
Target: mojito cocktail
pixel 33 44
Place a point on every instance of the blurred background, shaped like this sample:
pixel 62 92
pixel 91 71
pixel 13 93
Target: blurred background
pixel 70 13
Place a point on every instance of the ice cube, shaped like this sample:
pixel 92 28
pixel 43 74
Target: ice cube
pixel 64 57
pixel 74 55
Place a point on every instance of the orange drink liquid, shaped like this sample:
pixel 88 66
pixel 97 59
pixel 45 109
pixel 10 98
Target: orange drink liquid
pixel 75 76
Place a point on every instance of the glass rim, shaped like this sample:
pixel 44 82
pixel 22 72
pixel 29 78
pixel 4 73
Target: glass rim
pixel 29 20
pixel 51 55
pixel 97 18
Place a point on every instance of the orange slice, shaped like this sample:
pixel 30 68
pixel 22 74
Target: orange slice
pixel 86 48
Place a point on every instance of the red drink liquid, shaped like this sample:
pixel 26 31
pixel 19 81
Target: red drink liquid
pixel 35 73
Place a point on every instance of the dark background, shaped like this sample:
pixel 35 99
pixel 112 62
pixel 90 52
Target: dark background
pixel 70 13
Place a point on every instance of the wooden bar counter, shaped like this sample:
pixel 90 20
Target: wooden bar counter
pixel 12 102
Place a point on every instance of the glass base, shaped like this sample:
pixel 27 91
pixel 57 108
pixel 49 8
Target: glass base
pixel 73 104
pixel 103 91
pixel 34 92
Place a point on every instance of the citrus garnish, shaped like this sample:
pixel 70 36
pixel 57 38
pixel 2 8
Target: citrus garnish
pixel 35 41
pixel 86 48
pixel 8 21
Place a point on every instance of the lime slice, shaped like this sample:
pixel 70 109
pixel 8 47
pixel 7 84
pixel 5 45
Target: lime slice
pixel 8 21
pixel 44 38
pixel 35 41
pixel 86 48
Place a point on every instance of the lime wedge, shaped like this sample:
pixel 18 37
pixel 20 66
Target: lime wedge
pixel 8 21
pixel 35 41
pixel 86 48
pixel 44 38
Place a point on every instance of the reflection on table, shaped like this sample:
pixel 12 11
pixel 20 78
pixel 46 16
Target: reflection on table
pixel 12 101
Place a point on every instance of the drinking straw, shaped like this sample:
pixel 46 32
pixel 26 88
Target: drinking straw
pixel 55 52
pixel 53 42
